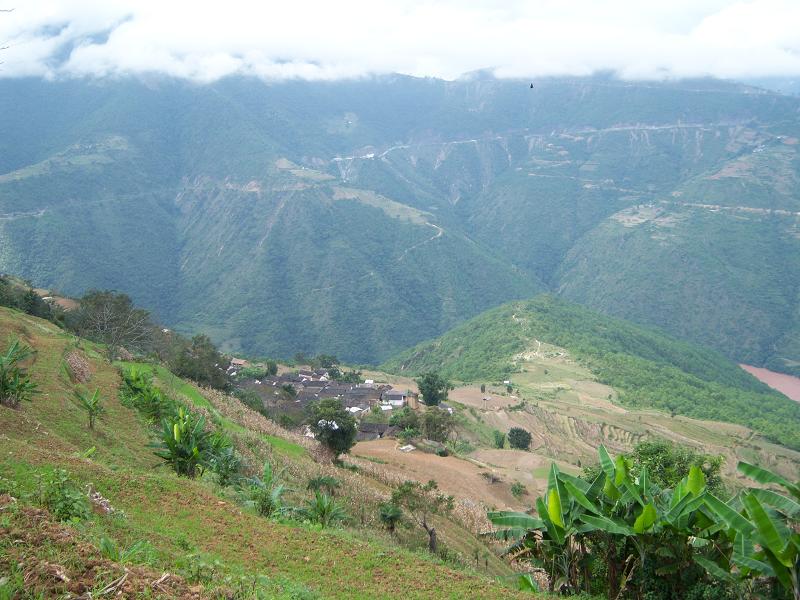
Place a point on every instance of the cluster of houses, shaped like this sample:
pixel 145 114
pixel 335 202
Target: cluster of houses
pixel 311 385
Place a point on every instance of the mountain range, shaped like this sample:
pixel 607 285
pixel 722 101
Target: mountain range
pixel 361 217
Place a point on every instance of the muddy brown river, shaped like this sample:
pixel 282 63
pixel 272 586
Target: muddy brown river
pixel 786 384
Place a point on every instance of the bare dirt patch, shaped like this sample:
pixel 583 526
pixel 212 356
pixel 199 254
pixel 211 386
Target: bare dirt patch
pixel 455 476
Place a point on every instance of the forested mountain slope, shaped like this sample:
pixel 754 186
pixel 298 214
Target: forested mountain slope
pixel 360 217
pixel 648 368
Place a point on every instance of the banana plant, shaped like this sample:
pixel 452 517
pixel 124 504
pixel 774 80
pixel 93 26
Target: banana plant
pixel 763 525
pixel 621 519
pixel 185 444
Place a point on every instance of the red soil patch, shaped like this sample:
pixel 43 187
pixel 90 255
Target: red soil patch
pixel 787 385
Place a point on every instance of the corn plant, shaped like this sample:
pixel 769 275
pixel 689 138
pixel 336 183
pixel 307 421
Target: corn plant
pixel 184 444
pixel 91 404
pixel 15 383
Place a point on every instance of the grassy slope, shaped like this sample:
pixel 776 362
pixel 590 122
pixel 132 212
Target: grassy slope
pixel 648 368
pixel 183 517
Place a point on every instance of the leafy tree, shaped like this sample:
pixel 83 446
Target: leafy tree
pixel 437 424
pixel 390 515
pixel 91 404
pixel 519 438
pixel 422 502
pixel 15 383
pixel 111 318
pixel 200 361
pixel 332 425
pixel 324 361
pixel 433 388
pixel 668 463
pixel 271 368
pixel 404 418
pixel 499 439
pixel 624 536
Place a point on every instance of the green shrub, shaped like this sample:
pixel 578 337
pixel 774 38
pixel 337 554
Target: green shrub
pixel 332 425
pixel 15 383
pixel 265 493
pixel 518 490
pixel 499 439
pixel 519 438
pixel 61 496
pixel 404 418
pixel 226 465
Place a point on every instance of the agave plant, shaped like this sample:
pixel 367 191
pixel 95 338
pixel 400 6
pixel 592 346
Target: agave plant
pixel 15 383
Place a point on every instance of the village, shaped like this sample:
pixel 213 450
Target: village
pixel 290 393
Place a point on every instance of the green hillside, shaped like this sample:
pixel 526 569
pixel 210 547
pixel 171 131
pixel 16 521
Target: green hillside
pixel 362 217
pixel 646 367
pixel 179 537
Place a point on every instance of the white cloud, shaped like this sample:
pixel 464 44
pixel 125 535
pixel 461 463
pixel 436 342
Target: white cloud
pixel 315 39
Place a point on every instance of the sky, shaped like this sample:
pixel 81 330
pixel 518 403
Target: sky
pixel 331 39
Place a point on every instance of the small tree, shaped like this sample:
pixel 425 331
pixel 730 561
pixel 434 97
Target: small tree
pixel 422 502
pixel 332 425
pixel 91 404
pixel 519 438
pixel 433 388
pixel 499 439
pixel 111 318
pixel 390 515
pixel 437 424
pixel 200 361
pixel 404 418
pixel 15 383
